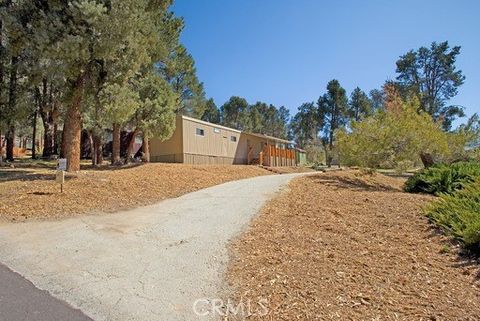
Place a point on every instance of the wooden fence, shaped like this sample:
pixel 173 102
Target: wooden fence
pixel 273 156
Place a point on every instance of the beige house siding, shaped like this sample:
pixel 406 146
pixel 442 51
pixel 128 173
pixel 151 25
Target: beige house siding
pixel 217 145
pixel 170 150
pixel 214 147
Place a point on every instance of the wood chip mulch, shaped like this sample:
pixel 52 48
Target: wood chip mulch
pixel 289 169
pixel 31 193
pixel 350 246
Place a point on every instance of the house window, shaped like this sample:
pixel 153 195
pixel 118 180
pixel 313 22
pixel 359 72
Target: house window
pixel 200 132
pixel 216 130
pixel 233 138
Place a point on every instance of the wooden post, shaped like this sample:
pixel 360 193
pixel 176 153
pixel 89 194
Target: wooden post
pixel 268 154
pixel 261 158
pixel 275 156
pixel 269 149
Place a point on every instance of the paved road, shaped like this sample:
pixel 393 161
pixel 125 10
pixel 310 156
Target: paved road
pixel 20 300
pixel 150 263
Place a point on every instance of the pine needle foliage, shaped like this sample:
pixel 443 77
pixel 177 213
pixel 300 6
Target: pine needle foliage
pixel 458 214
pixel 443 179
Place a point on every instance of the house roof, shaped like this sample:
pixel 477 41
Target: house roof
pixel 236 130
pixel 269 138
pixel 210 124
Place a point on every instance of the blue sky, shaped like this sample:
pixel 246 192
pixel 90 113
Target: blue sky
pixel 284 52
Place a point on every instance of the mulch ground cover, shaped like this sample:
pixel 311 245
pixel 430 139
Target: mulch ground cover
pixel 30 192
pixel 351 246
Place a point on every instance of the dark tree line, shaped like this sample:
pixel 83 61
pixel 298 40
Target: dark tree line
pixel 258 118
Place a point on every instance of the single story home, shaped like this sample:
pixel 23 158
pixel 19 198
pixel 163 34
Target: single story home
pixel 196 141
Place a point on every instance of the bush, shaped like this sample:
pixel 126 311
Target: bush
pixel 459 214
pixel 318 166
pixel 443 178
pixel 391 137
pixel 314 153
pixel 403 166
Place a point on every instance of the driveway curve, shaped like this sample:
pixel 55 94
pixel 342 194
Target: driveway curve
pixel 149 263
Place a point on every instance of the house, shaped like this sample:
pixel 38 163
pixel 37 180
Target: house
pixel 199 142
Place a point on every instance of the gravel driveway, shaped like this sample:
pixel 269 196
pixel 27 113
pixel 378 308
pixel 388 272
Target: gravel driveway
pixel 150 263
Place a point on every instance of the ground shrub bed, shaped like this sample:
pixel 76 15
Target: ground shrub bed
pixel 443 179
pixel 457 211
pixel 459 214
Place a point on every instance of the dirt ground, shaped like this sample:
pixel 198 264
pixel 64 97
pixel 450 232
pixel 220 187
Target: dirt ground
pixel 350 246
pixel 30 192
pixel 289 169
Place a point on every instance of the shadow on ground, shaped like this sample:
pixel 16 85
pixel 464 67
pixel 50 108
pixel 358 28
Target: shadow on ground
pixel 355 184
pixel 101 168
pixel 26 175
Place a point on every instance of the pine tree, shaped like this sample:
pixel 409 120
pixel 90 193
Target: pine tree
pixel 333 112
pixel 235 113
pixel 360 105
pixel 211 113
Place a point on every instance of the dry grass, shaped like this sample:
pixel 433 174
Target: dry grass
pixel 351 246
pixel 31 192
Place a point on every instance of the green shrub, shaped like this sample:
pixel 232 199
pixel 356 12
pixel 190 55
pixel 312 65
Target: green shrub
pixel 443 178
pixel 318 166
pixel 403 166
pixel 459 214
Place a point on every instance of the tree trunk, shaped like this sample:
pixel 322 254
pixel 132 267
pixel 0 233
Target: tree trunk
pixel 1 87
pixel 48 137
pixel 326 150
pixel 130 153
pixel 98 152
pixel 97 158
pixel 34 134
pixel 55 138
pixel 116 144
pixel 328 153
pixel 1 148
pixel 10 136
pixel 92 148
pixel 94 152
pixel 72 137
pixel 145 149
pixel 427 160
pixel 62 143
pixel 48 113
pixel 72 129
pixel 12 104
pixel 328 158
